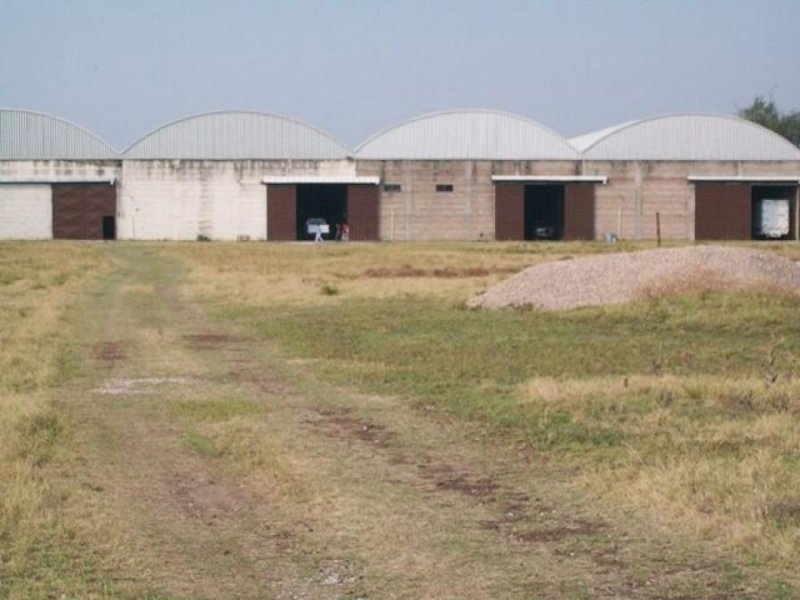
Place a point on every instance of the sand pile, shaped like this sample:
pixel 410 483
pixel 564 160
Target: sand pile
pixel 622 277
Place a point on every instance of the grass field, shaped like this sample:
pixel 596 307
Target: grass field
pixel 330 421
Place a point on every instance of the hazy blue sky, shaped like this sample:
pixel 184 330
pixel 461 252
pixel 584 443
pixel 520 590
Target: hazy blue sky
pixel 121 68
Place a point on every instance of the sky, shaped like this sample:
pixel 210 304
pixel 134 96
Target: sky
pixel 121 68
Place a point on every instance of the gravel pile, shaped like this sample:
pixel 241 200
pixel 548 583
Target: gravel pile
pixel 622 277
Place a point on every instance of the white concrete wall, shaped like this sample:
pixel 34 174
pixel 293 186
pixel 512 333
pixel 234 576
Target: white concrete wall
pixel 75 169
pixel 26 209
pixel 221 200
pixel 26 212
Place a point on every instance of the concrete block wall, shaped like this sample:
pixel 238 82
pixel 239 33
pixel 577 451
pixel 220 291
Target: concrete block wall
pixel 419 213
pixel 637 190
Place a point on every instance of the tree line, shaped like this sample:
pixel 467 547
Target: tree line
pixel 765 112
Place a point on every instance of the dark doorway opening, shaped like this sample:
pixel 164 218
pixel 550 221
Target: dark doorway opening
pixel 773 212
pixel 544 212
pixel 321 201
pixel 109 228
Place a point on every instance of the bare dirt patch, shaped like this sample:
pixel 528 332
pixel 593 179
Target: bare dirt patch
pixel 110 352
pixel 139 386
pixel 200 497
pixel 579 527
pixel 340 424
pixel 447 478
pixel 262 379
pixel 441 272
pixel 210 341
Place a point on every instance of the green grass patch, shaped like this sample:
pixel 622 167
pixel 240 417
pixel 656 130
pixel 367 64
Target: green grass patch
pixel 471 363
pixel 216 410
pixel 201 444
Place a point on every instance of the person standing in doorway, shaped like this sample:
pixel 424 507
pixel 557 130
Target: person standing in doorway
pixel 345 231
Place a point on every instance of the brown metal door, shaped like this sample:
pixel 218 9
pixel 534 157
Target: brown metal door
pixel 509 211
pixel 79 209
pixel 722 211
pixel 282 212
pixel 363 214
pixel 579 211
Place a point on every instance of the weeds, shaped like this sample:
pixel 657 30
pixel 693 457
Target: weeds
pixel 327 289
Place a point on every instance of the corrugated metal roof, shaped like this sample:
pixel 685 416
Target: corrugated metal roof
pixel 582 142
pixel 467 134
pixel 687 137
pixel 236 135
pixel 30 135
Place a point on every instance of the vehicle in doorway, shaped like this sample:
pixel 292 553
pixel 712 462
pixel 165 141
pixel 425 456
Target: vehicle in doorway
pixel 317 225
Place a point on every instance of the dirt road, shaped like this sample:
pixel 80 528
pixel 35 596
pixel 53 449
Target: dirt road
pixel 214 468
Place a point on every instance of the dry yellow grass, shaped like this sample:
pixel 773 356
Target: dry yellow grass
pixel 716 459
pixel 664 482
pixel 41 282
pixel 296 274
pixel 731 480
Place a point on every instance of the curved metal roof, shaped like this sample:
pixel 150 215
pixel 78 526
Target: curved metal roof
pixel 467 134
pixel 693 136
pixel 31 135
pixel 231 135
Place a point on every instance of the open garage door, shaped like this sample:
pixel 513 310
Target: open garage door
pixel 290 206
pixel 541 208
pixel 723 211
pixel 84 211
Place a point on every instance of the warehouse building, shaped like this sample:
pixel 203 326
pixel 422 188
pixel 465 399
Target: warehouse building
pixel 457 175
pixel 706 176
pixel 478 174
pixel 57 180
pixel 238 175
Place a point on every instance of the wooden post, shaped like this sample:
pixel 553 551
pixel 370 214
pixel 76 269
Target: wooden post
pixel 658 228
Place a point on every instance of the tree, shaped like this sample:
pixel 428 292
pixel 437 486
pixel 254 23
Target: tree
pixel 764 112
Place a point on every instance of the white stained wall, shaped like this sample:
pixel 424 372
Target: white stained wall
pixel 183 200
pixel 26 212
pixel 218 199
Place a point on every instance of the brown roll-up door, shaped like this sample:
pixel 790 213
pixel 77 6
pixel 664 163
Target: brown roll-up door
pixel 579 211
pixel 722 211
pixel 363 214
pixel 509 211
pixel 79 210
pixel 282 212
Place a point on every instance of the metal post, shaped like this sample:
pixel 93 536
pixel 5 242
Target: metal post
pixel 658 228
